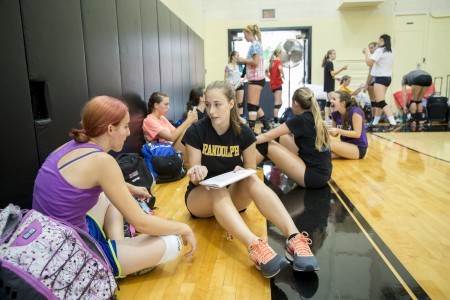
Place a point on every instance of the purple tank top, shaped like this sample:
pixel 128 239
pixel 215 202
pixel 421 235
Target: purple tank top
pixel 55 197
pixel 362 140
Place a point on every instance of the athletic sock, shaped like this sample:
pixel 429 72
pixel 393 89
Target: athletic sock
pixel 392 120
pixel 376 120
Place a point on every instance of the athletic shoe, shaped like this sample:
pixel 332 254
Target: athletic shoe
pixel 393 128
pixel 299 253
pixel 265 259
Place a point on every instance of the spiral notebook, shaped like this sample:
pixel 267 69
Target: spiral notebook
pixel 225 179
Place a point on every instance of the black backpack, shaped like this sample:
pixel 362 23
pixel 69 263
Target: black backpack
pixel 136 172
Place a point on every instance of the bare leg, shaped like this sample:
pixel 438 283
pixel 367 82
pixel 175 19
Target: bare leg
pixel 254 92
pixel 206 203
pixel 372 98
pixel 240 100
pixel 265 200
pixel 277 101
pixel 345 150
pixel 380 94
pixel 327 108
pixel 288 162
pixel 108 218
pixel 140 252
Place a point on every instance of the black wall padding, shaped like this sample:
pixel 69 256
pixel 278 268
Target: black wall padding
pixel 150 50
pixel 101 46
pixel 19 158
pixel 177 79
pixel 184 44
pixel 55 55
pixel 130 47
pixel 165 55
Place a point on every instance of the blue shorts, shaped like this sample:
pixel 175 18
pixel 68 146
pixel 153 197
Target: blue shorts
pixel 108 246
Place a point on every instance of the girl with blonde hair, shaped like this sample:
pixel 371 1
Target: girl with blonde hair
pixel 255 75
pixel 303 151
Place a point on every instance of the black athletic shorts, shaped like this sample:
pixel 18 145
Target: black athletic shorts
pixel 314 179
pixel 277 89
pixel 362 151
pixel 422 80
pixel 386 81
pixel 261 82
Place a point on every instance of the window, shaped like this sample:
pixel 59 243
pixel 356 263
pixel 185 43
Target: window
pixel 295 42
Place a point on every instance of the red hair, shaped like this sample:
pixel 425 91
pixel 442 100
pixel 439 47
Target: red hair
pixel 97 114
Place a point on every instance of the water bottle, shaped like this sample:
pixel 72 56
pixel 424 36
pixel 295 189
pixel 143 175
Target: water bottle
pixel 404 118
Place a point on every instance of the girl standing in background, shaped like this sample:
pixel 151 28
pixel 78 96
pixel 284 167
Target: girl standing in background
pixel 233 75
pixel 276 75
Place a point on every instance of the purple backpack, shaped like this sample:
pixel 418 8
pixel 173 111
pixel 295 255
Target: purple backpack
pixel 45 258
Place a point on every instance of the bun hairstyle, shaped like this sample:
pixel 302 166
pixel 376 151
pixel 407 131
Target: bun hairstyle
pixel 97 115
pixel 155 98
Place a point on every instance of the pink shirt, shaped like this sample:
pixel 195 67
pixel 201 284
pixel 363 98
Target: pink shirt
pixel 152 126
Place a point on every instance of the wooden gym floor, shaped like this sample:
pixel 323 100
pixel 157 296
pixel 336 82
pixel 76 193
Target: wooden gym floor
pixel 379 229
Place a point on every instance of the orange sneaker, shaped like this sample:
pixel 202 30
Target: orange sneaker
pixel 265 259
pixel 299 253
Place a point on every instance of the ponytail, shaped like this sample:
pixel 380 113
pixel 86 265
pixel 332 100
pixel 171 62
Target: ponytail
pixel 326 57
pixel 305 98
pixel 254 29
pixel 276 52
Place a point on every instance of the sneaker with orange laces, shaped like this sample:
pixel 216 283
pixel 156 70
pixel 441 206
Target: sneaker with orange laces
pixel 299 253
pixel 265 259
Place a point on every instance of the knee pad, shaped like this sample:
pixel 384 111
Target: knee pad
pixel 278 106
pixel 417 102
pixel 252 109
pixel 328 104
pixel 373 104
pixel 421 116
pixel 240 104
pixel 381 104
pixel 174 244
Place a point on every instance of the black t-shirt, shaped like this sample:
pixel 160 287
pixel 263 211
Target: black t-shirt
pixel 304 131
pixel 220 153
pixel 201 114
pixel 328 80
